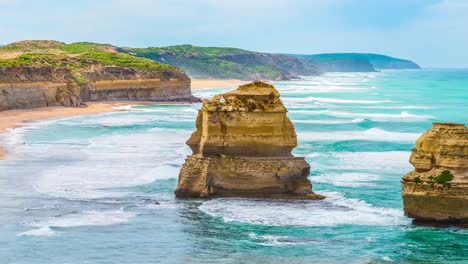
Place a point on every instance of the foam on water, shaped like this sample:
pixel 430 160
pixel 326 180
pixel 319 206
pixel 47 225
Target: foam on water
pixel 101 167
pixel 43 231
pixel 373 161
pixel 350 179
pixel 373 134
pixel 333 211
pixel 330 122
pixel 84 218
pixel 272 240
pixel 337 100
pixel 381 117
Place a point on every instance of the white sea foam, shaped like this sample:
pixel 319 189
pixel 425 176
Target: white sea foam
pixel 272 240
pixel 43 231
pixel 334 210
pixel 330 122
pixel 382 117
pixel 374 161
pixel 338 101
pixel 307 89
pixel 395 107
pixel 350 179
pixel 373 134
pixel 85 218
pixel 118 160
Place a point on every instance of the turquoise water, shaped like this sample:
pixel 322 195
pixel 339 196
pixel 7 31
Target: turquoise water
pixel 84 190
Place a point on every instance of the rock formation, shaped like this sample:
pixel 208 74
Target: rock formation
pixel 436 192
pixel 34 86
pixel 38 73
pixel 242 147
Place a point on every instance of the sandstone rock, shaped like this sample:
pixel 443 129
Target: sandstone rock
pixel 242 147
pixel 31 87
pixel 436 192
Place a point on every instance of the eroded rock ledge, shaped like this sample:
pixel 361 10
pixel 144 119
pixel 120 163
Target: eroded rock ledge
pixel 40 86
pixel 242 147
pixel 436 192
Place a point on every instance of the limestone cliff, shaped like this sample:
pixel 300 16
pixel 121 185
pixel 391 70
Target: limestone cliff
pixel 242 147
pixel 48 73
pixel 31 87
pixel 437 190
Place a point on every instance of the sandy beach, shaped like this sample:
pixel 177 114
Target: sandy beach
pixel 215 83
pixel 11 119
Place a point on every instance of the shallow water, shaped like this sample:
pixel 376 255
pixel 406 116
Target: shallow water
pixel 84 190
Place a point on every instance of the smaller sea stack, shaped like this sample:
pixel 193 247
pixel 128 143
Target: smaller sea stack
pixel 436 192
pixel 242 148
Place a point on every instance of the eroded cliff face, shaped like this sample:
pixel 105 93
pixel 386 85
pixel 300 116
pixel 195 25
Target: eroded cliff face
pixel 242 147
pixel 436 192
pixel 31 87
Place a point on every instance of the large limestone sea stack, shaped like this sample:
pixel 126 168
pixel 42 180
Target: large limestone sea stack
pixel 436 192
pixel 242 148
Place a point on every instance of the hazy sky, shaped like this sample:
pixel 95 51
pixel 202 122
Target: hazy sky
pixel 434 33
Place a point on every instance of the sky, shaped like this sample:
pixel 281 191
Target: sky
pixel 433 33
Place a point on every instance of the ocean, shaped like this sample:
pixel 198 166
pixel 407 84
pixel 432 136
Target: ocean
pixel 99 189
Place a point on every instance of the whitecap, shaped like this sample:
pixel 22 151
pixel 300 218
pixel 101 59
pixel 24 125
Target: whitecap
pixel 330 122
pixel 334 210
pixel 349 179
pixel 339 101
pixel 403 116
pixel 99 168
pixel 84 218
pixel 373 134
pixel 363 161
pixel 43 231
pixel 272 240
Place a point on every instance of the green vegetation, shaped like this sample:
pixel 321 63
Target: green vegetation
pixel 378 61
pixel 214 62
pixel 417 179
pixel 82 47
pixel 75 57
pixel 200 62
pixel 444 178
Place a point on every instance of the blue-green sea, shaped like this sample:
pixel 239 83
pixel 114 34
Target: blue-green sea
pixel 99 189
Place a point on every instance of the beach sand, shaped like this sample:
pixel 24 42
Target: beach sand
pixel 11 119
pixel 215 83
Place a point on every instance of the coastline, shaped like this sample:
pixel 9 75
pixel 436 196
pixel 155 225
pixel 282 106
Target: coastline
pixel 11 119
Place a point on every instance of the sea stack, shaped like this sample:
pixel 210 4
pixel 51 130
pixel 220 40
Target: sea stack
pixel 436 192
pixel 242 148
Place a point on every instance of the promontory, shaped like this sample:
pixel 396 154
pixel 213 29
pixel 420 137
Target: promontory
pixel 50 73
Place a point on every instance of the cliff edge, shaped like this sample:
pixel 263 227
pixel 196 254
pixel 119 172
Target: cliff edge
pixel 436 192
pixel 49 73
pixel 242 147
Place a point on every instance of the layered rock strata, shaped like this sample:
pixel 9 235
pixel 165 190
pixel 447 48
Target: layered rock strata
pixel 31 87
pixel 436 192
pixel 242 147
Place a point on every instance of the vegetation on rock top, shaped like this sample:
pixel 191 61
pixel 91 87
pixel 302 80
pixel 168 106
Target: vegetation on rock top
pixel 72 56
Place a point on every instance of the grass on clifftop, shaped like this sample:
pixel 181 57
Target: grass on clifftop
pixel 208 62
pixel 73 56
